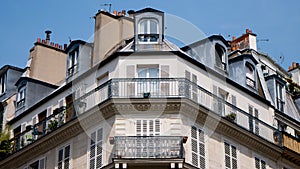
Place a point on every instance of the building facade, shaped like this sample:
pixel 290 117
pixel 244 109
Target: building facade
pixel 133 99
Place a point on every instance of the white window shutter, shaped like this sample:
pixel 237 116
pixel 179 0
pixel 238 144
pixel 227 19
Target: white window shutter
pixel 164 71
pixel 49 111
pixel 130 72
pixel 42 164
pixel 34 120
pixel 23 127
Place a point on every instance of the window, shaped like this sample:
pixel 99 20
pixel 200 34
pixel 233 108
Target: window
pixel 253 123
pixel 148 127
pixel 220 97
pixel 230 156
pixel 152 86
pixel 260 164
pixel 21 97
pixel 39 164
pixel 2 84
pixel 250 81
pixel 279 97
pixel 220 57
pixel 64 157
pixel 148 30
pixel 198 147
pixel 72 62
pixel 95 156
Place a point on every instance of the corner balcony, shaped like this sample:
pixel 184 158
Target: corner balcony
pixel 145 88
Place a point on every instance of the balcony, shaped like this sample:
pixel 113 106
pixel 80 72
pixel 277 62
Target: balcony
pixel 291 142
pixel 148 147
pixel 145 88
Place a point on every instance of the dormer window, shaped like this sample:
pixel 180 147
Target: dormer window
pixel 21 97
pixel 279 96
pixel 2 84
pixel 72 62
pixel 148 31
pixel 250 78
pixel 220 57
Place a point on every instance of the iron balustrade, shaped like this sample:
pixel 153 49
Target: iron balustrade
pixel 157 88
pixel 148 147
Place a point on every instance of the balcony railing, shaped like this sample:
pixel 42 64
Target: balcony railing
pixel 154 88
pixel 291 142
pixel 148 146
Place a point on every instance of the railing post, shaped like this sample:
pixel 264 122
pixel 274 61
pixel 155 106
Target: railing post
pixel 181 87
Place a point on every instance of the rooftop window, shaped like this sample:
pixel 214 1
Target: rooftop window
pixel 2 84
pixel 148 31
pixel 220 57
pixel 72 62
pixel 250 78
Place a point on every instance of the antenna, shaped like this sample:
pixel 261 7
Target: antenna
pixel 107 5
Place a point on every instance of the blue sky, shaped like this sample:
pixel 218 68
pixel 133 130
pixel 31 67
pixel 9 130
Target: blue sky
pixel 22 22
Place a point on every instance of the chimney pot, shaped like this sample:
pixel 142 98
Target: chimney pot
pixel 123 12
pixel 115 12
pixel 247 31
pixel 38 40
pixel 297 65
pixel 290 68
pixel 43 41
pixel 65 46
pixel 48 36
pixel 294 65
pixel 234 38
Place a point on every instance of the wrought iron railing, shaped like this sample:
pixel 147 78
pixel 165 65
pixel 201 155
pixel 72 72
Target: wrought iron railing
pixel 154 88
pixel 148 146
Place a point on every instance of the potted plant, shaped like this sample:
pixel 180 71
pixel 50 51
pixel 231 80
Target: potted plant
pixel 231 117
pixel 53 125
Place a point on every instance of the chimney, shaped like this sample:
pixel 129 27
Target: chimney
pixel 65 46
pixel 48 36
pixel 131 13
pixel 115 12
pixel 234 38
pixel 123 12
pixel 248 31
pixel 294 65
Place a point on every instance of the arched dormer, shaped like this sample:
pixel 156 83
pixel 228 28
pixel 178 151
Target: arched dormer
pixel 149 31
pixel 220 56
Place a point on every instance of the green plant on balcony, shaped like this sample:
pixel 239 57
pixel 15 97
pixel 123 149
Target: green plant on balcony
pixel 231 117
pixel 292 86
pixel 53 124
pixel 5 144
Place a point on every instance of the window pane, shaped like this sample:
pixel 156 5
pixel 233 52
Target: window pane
pixel 92 151
pixel 67 152
pixel 92 163
pixel 60 155
pixel 66 164
pixel 143 27
pixel 153 72
pixel 227 149
pixel 153 27
pixel 233 151
pixel 142 72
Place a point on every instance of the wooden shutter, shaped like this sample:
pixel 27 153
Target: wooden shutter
pixel 164 71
